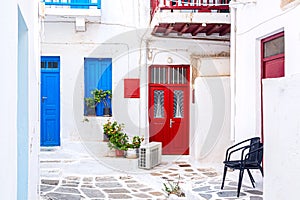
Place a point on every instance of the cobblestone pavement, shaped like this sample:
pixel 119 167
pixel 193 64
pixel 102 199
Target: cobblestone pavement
pixel 73 175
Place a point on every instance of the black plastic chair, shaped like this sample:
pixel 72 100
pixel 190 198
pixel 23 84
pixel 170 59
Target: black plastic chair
pixel 251 151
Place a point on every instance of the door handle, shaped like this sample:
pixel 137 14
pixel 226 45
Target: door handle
pixel 171 122
pixel 44 98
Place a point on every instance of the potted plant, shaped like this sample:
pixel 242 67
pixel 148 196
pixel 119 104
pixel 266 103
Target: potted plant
pixel 98 96
pixel 133 147
pixel 110 128
pixel 118 140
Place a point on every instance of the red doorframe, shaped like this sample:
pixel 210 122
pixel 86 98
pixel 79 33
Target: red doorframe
pixel 271 67
pixel 171 130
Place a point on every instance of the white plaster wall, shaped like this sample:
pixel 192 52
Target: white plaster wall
pixel 211 137
pixel 281 138
pixel 249 33
pixel 8 104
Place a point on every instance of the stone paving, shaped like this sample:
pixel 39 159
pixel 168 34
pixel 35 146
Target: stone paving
pixel 76 175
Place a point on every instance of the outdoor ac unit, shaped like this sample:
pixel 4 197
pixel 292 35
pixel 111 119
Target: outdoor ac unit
pixel 150 155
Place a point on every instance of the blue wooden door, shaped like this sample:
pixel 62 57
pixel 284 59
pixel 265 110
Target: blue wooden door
pixel 50 101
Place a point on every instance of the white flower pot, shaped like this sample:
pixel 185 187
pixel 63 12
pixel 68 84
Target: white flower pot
pixel 132 153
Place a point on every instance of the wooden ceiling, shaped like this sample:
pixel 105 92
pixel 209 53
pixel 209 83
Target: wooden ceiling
pixel 192 29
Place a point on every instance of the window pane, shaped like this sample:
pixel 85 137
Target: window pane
pixel 159 104
pixel 43 65
pixel 52 65
pixel 274 47
pixel 178 104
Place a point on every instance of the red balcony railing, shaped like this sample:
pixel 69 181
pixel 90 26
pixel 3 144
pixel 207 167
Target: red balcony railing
pixel 195 5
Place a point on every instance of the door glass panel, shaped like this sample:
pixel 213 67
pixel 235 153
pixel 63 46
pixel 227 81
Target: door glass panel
pixel 178 104
pixel 159 104
pixel 43 64
pixel 52 65
pixel 274 47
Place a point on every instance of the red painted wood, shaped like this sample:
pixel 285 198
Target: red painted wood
pixel 131 88
pixel 175 139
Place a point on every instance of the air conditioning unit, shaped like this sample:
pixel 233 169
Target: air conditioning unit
pixel 150 155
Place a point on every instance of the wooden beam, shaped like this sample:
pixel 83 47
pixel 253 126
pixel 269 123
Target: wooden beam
pixel 213 29
pixel 184 29
pixel 199 28
pixel 169 29
pixel 225 31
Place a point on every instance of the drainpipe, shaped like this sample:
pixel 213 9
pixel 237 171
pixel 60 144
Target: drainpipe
pixel 233 11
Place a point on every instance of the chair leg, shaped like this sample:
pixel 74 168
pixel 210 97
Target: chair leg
pixel 240 181
pixel 261 170
pixel 224 175
pixel 251 178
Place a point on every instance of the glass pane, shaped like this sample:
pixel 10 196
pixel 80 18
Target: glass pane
pixel 178 104
pixel 43 65
pixel 52 65
pixel 159 104
pixel 274 47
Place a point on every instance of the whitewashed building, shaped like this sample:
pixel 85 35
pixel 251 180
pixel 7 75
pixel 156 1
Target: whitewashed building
pixel 265 87
pixel 167 65
pixel 19 118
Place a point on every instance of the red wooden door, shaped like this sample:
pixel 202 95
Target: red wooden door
pixel 169 113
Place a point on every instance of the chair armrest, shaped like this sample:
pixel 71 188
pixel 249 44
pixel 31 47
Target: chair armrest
pixel 235 150
pixel 236 145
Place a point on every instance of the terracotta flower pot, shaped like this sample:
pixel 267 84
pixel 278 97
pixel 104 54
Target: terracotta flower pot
pixel 119 153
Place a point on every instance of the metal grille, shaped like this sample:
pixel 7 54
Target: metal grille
pixel 169 75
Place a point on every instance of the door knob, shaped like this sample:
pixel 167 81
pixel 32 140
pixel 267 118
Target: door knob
pixel 171 122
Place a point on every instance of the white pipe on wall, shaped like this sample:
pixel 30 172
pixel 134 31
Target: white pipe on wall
pixel 233 70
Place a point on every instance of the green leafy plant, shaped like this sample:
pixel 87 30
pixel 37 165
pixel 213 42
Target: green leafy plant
pixel 98 96
pixel 173 188
pixel 117 138
pixel 110 128
pixel 136 142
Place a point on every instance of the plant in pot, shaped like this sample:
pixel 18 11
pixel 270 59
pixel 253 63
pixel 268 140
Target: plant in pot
pixel 98 96
pixel 110 128
pixel 118 141
pixel 133 147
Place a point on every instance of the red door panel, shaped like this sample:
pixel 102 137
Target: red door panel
pixel 169 118
pixel 274 68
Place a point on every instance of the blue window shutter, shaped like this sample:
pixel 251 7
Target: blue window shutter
pixel 80 1
pixel 97 74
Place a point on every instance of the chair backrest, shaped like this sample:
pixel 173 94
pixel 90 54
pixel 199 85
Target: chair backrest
pixel 255 144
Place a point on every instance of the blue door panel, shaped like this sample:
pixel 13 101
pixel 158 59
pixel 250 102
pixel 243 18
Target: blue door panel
pixel 50 105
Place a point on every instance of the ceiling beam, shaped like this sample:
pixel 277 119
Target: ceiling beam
pixel 183 29
pixel 225 31
pixel 199 28
pixel 169 29
pixel 213 29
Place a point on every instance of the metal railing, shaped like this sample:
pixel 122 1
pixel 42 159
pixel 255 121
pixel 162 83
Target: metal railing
pixel 77 4
pixel 195 5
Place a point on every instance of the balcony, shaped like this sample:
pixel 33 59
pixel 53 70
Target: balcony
pixel 69 10
pixel 195 19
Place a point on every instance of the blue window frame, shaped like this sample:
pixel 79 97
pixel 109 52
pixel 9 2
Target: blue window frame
pixel 97 74
pixel 81 4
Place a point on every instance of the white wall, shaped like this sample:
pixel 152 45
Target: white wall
pixel 281 138
pixel 9 89
pixel 211 137
pixel 249 33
